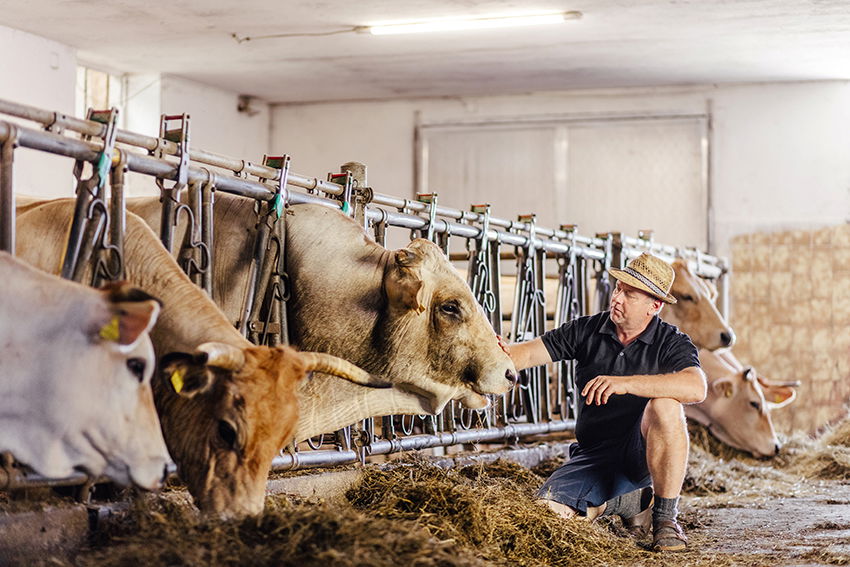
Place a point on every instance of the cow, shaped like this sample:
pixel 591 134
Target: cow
pixel 405 315
pixel 695 312
pixel 226 406
pixel 75 390
pixel 737 408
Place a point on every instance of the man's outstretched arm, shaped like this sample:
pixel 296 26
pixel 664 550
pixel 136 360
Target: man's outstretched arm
pixel 527 354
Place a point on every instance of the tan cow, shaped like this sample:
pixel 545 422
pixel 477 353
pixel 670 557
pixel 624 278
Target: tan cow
pixel 738 405
pixel 237 402
pixel 695 313
pixel 405 315
pixel 75 382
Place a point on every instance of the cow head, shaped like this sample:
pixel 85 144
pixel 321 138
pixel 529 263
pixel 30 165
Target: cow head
pixel 227 411
pixel 695 313
pixel 736 410
pixel 133 447
pixel 443 346
pixel 79 395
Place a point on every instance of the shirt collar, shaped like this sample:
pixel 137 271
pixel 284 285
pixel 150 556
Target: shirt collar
pixel 647 336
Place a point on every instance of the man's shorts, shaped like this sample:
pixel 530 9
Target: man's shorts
pixel 596 474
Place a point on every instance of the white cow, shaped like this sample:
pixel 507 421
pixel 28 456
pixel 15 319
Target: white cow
pixel 738 405
pixel 75 389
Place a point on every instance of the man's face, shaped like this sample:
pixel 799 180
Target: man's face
pixel 630 307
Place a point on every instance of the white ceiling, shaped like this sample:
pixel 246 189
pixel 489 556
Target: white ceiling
pixel 617 43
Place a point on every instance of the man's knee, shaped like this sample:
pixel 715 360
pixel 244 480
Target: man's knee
pixel 561 509
pixel 664 413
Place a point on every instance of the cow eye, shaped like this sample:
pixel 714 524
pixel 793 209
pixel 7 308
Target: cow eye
pixel 137 367
pixel 450 308
pixel 756 405
pixel 227 433
pixel 687 297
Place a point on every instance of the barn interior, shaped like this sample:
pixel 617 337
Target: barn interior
pixel 713 131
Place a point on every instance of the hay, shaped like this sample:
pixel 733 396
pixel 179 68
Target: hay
pixel 159 531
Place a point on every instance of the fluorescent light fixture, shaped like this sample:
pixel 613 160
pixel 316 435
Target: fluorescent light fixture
pixel 469 23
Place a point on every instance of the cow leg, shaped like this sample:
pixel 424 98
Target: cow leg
pixel 666 433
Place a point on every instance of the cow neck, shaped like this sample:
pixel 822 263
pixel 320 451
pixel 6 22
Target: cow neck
pixel 328 403
pixel 352 285
pixel 188 317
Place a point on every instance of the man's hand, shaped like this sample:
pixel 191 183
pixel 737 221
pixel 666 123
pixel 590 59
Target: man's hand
pixel 598 390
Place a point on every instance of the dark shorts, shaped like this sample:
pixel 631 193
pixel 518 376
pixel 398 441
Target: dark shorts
pixel 596 474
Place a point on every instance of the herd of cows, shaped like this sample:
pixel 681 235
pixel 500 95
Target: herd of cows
pixel 378 332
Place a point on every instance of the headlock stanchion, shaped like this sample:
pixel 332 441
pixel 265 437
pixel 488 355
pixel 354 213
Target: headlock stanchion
pixel 544 402
pixel 90 212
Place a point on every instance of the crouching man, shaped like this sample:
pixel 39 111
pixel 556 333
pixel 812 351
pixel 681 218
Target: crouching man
pixel 634 372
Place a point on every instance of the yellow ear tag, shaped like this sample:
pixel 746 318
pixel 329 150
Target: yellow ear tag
pixel 110 331
pixel 177 380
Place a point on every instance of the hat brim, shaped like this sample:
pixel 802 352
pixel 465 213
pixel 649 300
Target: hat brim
pixel 627 278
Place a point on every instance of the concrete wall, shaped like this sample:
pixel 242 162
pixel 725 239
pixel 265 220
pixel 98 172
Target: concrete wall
pixel 780 153
pixel 45 78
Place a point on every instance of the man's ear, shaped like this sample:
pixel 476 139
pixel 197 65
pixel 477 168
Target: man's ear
pixel 403 280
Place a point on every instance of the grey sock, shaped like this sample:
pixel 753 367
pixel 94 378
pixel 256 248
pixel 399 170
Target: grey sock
pixel 665 509
pixel 625 505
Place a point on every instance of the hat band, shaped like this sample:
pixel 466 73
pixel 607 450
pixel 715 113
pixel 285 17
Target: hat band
pixel 643 279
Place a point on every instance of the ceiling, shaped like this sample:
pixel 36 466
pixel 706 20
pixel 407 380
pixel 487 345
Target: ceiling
pixel 617 43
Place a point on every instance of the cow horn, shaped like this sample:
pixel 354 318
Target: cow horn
pixel 329 364
pixel 223 355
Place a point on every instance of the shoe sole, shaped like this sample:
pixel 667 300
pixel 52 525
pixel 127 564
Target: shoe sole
pixel 681 547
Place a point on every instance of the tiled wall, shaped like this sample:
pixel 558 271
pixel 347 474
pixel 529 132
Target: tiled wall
pixel 791 311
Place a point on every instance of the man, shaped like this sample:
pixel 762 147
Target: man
pixel 634 372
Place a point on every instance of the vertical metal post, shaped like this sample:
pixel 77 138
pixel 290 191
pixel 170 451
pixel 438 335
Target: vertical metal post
pixel 360 184
pixel 7 191
pixel 207 202
pixel 118 215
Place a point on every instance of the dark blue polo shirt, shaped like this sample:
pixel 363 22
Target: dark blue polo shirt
pixel 592 342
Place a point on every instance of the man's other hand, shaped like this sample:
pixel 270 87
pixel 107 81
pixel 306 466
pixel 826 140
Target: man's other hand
pixel 598 390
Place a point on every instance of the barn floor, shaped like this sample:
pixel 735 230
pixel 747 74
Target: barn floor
pixel 811 528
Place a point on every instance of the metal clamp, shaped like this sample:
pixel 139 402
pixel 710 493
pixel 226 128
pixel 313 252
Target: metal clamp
pixel 431 200
pixel 346 179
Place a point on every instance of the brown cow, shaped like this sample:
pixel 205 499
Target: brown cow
pixel 738 405
pixel 237 402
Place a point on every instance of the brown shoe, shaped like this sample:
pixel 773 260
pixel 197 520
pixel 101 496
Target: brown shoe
pixel 639 525
pixel 669 536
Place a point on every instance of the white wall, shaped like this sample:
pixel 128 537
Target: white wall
pixel 780 153
pixel 41 73
pixel 215 123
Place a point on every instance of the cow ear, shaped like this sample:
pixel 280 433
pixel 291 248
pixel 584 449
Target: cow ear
pixel 723 387
pixel 186 374
pixel 403 280
pixel 778 396
pixel 133 313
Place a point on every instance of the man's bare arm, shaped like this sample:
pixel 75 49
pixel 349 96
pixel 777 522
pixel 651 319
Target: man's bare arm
pixel 527 354
pixel 687 386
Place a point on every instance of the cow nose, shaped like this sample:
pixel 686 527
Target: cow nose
pixel 511 377
pixel 776 449
pixel 726 339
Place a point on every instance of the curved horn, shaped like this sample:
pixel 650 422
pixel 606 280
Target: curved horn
pixel 223 355
pixel 329 364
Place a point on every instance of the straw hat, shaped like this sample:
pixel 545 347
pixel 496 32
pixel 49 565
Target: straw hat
pixel 648 273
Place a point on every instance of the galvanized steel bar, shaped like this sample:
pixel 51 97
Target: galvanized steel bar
pixel 49 118
pixel 7 190
pixel 313 459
